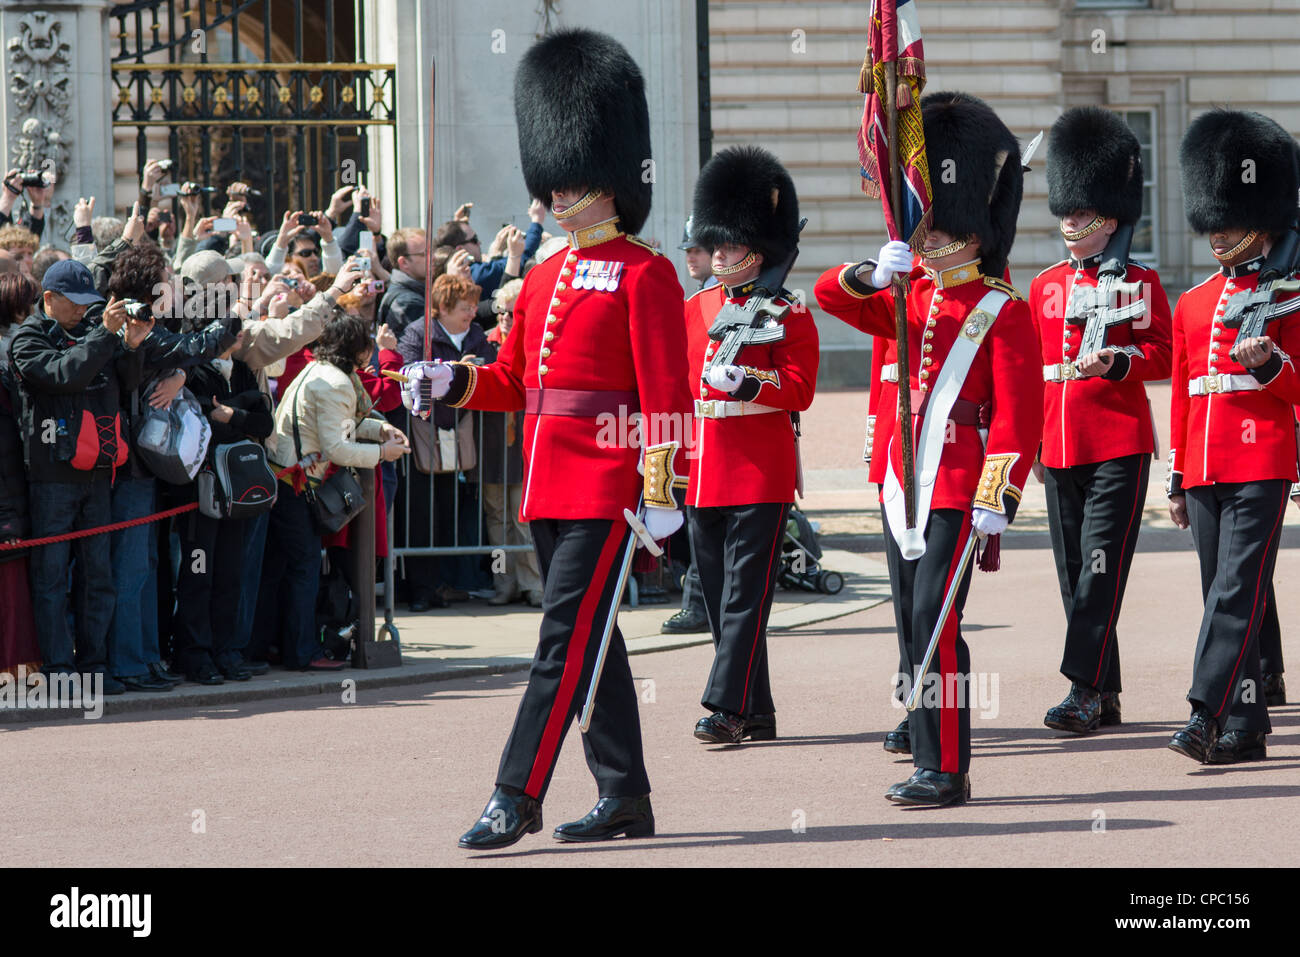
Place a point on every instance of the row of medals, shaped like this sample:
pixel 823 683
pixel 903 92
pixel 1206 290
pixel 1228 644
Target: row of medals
pixel 596 274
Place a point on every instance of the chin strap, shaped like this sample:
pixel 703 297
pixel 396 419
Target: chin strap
pixel 580 205
pixel 1092 227
pixel 1237 250
pixel 942 251
pixel 738 267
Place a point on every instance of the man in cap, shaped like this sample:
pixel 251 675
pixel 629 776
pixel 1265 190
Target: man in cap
pixel 692 619
pixel 72 366
pixel 599 334
pixel 1097 430
pixel 1232 428
pixel 744 473
pixel 977 401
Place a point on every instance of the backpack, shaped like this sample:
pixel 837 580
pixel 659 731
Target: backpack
pixel 238 484
pixel 172 442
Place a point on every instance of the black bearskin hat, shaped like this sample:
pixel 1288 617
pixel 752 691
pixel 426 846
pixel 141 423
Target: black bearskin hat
pixel 1094 162
pixel 1239 172
pixel 979 190
pixel 581 112
pixel 745 196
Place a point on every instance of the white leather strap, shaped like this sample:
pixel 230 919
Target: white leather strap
pixel 1223 382
pixel 889 372
pixel 719 409
pixel 934 426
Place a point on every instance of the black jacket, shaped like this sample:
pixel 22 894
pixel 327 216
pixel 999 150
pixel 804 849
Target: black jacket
pixel 14 520
pixel 252 417
pixel 62 376
pixel 403 303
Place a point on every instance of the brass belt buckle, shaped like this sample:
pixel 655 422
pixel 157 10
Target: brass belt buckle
pixel 704 408
pixel 1068 371
pixel 1212 384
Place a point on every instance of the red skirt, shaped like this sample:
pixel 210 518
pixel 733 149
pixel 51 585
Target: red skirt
pixel 18 645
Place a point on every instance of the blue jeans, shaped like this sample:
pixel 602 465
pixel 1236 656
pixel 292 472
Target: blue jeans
pixel 286 602
pixel 133 639
pixel 250 580
pixel 59 507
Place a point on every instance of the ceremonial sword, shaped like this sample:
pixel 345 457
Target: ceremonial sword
pixel 639 533
pixel 949 600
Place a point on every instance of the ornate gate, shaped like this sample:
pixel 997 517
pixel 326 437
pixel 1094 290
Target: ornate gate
pixel 271 92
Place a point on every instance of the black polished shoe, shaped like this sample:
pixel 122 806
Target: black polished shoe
pixel 162 673
pixel 254 667
pixel 206 676
pixel 723 727
pixel 145 682
pixel 685 623
pixel 1274 691
pixel 899 741
pixel 509 815
pixel 893 788
pixel 931 789
pixel 1197 741
pixel 1110 710
pixel 1237 746
pixel 612 816
pixel 1079 713
pixel 234 672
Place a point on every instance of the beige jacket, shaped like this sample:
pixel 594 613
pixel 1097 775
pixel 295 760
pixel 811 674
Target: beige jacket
pixel 327 401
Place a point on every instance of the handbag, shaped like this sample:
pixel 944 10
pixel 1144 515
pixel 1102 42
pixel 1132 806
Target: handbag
pixel 339 498
pixel 172 442
pixel 437 451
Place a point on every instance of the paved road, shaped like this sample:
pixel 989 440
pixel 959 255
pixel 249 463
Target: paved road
pixel 276 783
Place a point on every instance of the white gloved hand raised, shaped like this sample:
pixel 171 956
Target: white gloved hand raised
pixel 662 522
pixel 416 396
pixel 989 523
pixel 725 378
pixel 894 257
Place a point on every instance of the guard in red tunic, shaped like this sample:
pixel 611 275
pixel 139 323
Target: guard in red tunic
pixel 599 335
pixel 745 468
pixel 1104 326
pixel 1232 429
pixel 977 403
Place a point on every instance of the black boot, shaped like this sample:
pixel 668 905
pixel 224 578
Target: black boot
pixel 1110 710
pixel 612 816
pixel 1080 712
pixel 509 815
pixel 686 622
pixel 1274 691
pixel 1198 739
pixel 1237 746
pixel 723 727
pixel 931 788
pixel 899 741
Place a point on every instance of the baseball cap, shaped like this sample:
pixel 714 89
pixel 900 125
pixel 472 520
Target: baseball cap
pixel 208 266
pixel 71 280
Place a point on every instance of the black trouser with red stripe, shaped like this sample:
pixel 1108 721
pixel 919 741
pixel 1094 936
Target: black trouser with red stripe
pixel 940 725
pixel 1270 638
pixel 580 562
pixel 737 549
pixel 1095 513
pixel 1236 527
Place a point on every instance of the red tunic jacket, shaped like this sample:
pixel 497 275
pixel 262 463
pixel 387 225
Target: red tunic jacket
pixel 1095 418
pixel 748 459
pixel 631 338
pixel 882 406
pixel 1004 377
pixel 1230 436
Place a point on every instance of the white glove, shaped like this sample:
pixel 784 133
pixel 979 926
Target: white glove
pixel 725 378
pixel 662 522
pixel 419 397
pixel 894 257
pixel 989 523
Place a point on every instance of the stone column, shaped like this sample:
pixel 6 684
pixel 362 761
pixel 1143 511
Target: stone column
pixel 55 111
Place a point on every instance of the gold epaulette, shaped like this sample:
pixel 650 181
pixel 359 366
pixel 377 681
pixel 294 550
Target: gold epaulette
pixel 1002 286
pixel 637 240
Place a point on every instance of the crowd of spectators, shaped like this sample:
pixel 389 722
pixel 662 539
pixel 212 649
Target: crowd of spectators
pixel 282 340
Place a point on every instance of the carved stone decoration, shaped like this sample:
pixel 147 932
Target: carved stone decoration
pixel 40 83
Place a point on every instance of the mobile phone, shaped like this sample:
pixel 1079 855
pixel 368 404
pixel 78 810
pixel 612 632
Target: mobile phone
pixel 365 205
pixel 375 285
pixel 225 224
pixel 170 189
pixel 164 216
pixel 307 219
pixel 365 242
pixel 363 262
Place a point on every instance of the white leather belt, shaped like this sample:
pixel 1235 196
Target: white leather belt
pixel 718 409
pixel 1223 382
pixel 1062 372
pixel 889 372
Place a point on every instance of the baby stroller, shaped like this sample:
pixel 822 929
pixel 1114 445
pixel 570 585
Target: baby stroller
pixel 801 558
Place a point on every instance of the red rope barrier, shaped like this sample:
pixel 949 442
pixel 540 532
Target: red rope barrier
pixel 103 529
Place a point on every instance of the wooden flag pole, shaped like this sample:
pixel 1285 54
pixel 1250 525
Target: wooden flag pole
pixel 900 302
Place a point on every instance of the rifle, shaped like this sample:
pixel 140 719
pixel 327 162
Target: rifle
pixel 1094 307
pixel 1250 312
pixel 757 321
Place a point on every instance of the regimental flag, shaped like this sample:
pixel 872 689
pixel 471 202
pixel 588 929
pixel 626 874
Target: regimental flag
pixel 894 36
